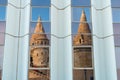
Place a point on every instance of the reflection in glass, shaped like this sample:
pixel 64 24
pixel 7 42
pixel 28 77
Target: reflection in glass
pixel 116 14
pixel 82 36
pixel 39 75
pixel 82 57
pixel 2 38
pixel 116 28
pixel 117 39
pixel 117 53
pixel 115 3
pixel 0 73
pixel 1 55
pixel 39 56
pixel 46 26
pixel 81 2
pixel 83 75
pixel 3 2
pixel 2 13
pixel 75 26
pixel 40 2
pixel 42 12
pixel 77 11
pixel 2 26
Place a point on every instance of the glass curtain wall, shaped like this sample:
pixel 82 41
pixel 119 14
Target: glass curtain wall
pixel 116 26
pixel 39 52
pixel 3 4
pixel 82 40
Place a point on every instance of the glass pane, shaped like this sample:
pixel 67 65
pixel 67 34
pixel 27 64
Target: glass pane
pixel 79 14
pixel 2 26
pixel 118 61
pixel 2 36
pixel 39 57
pixel 76 26
pixel 81 3
pixel 0 74
pixel 83 75
pixel 116 28
pixel 2 13
pixel 43 13
pixel 40 2
pixel 39 75
pixel 116 14
pixel 82 57
pixel 45 25
pixel 1 55
pixel 3 2
pixel 115 3
pixel 117 40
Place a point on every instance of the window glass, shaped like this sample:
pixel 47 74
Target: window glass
pixel 117 49
pixel 40 29
pixel 82 40
pixel 46 26
pixel 116 15
pixel 115 3
pixel 43 13
pixel 80 2
pixel 2 13
pixel 3 2
pixel 116 27
pixel 75 26
pixel 77 12
pixel 83 75
pixel 40 2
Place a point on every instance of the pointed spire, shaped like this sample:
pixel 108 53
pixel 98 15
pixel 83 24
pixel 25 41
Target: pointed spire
pixel 83 26
pixel 83 37
pixel 39 19
pixel 39 27
pixel 83 17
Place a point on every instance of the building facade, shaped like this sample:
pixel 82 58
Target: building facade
pixel 59 57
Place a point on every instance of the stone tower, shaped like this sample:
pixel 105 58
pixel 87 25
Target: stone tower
pixel 82 55
pixel 39 56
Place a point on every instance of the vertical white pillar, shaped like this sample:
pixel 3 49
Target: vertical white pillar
pixel 103 41
pixel 61 46
pixel 15 63
pixel 11 40
pixel 23 53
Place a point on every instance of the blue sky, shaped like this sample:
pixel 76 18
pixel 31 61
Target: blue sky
pixel 3 1
pixel 2 13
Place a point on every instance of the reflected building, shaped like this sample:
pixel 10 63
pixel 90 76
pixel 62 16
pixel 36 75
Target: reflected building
pixel 82 53
pixel 39 55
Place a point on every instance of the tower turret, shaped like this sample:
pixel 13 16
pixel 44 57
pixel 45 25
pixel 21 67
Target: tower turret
pixel 83 36
pixel 39 55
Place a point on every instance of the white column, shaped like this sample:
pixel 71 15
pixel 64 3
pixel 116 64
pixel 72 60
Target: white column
pixel 15 63
pixel 61 46
pixel 103 41
pixel 23 55
pixel 11 41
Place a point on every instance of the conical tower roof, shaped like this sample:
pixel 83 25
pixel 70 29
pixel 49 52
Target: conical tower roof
pixel 39 32
pixel 83 36
pixel 39 27
pixel 83 26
